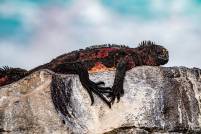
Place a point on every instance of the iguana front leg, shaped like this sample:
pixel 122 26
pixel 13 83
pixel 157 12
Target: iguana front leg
pixel 117 87
pixel 90 86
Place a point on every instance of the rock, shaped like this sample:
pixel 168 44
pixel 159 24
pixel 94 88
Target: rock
pixel 157 100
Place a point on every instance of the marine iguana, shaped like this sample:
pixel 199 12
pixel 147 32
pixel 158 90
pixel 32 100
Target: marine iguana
pixel 97 58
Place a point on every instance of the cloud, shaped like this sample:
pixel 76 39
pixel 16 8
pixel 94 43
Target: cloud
pixel 58 30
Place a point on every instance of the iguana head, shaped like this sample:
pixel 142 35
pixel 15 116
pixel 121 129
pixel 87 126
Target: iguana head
pixel 153 54
pixel 9 75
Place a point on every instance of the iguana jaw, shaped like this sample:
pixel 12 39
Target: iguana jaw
pixel 162 61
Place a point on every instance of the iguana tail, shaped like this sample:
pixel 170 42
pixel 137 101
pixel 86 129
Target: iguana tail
pixel 9 75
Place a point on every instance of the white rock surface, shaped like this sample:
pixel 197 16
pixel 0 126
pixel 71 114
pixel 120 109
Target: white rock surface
pixel 157 100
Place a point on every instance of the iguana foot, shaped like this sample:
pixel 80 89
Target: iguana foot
pixel 118 92
pixel 103 89
pixel 100 83
pixel 91 86
pixel 117 88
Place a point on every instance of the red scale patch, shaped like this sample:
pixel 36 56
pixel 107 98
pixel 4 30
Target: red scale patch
pixel 104 52
pixel 3 81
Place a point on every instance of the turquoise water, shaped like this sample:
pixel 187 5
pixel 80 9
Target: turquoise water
pixel 144 10
pixel 147 9
pixel 12 22
pixel 43 29
pixel 37 2
pixel 139 8
pixel 9 26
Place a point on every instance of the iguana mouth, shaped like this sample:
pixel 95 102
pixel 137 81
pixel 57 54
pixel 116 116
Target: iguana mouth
pixel 162 61
pixel 99 67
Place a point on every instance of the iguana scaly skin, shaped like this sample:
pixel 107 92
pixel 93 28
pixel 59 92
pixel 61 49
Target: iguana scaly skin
pixel 122 58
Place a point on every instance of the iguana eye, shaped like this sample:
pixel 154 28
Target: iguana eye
pixel 164 51
pixel 161 52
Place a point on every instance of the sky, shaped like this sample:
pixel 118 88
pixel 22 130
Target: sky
pixel 32 32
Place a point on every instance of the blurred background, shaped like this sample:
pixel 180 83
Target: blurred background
pixel 32 32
